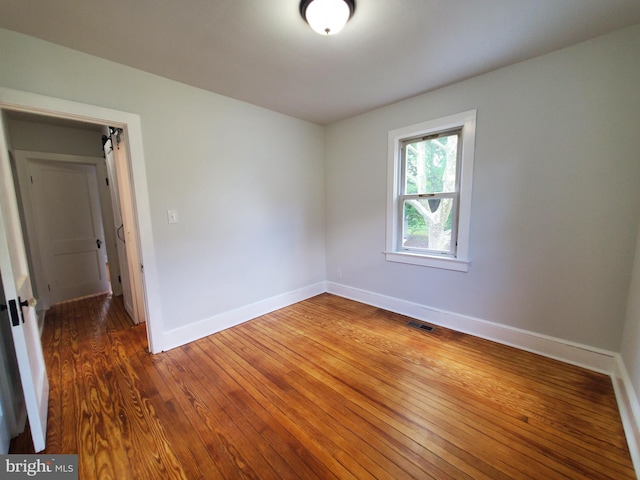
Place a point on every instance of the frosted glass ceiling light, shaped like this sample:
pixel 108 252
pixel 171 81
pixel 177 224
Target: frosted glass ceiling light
pixel 327 17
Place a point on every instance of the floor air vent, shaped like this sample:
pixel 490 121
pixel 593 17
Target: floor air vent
pixel 421 326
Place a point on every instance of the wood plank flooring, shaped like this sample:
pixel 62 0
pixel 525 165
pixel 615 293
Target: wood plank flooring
pixel 325 389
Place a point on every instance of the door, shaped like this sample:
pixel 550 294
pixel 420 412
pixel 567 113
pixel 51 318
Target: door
pixel 69 228
pixel 121 243
pixel 127 232
pixel 20 305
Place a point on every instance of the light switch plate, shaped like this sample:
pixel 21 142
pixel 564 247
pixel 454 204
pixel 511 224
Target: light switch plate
pixel 172 216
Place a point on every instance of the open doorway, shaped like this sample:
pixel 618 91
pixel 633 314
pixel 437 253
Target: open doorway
pixel 137 221
pixel 70 209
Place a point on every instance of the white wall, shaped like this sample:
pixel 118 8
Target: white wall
pixel 43 137
pixel 244 180
pixel 555 203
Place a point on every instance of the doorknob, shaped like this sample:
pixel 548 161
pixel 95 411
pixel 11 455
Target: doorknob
pixel 26 303
pixel 98 243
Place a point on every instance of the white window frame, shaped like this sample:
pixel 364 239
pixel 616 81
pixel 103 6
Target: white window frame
pixel 394 251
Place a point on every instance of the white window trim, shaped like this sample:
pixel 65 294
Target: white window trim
pixel 461 261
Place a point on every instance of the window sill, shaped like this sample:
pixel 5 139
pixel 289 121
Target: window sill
pixel 428 261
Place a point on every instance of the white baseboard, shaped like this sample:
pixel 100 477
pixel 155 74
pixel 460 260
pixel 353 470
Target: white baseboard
pixel 629 410
pixel 569 352
pixel 189 333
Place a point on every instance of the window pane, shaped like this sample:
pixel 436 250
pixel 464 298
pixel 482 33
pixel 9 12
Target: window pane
pixel 427 224
pixel 430 165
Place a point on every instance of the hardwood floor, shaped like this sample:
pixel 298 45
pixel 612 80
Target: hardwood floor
pixel 324 389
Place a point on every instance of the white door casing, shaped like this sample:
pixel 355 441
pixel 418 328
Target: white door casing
pixel 20 303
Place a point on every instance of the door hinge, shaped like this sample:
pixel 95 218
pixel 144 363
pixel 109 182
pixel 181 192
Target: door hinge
pixel 107 180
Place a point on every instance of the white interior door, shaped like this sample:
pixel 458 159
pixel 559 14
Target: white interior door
pixel 132 254
pixel 20 304
pixel 69 228
pixel 121 243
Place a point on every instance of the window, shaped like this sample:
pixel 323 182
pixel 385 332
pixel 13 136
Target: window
pixel 428 211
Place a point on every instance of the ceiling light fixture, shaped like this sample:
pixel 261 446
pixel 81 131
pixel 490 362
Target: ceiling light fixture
pixel 327 17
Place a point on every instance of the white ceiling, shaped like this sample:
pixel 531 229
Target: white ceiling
pixel 262 52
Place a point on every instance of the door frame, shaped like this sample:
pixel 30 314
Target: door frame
pixel 138 196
